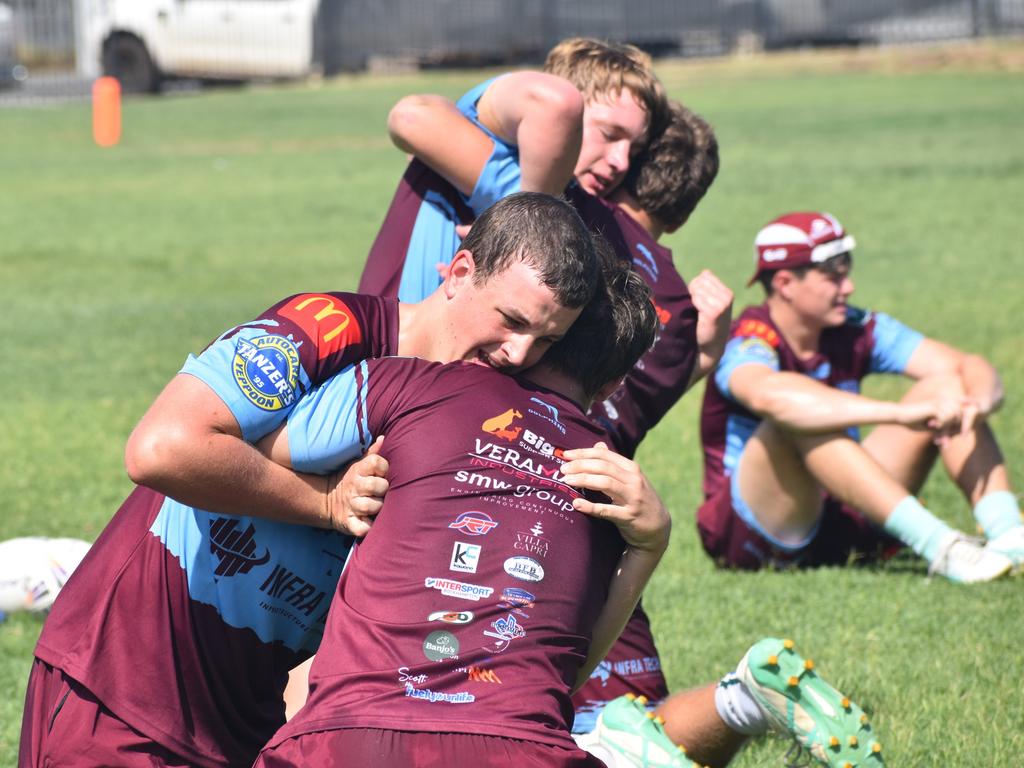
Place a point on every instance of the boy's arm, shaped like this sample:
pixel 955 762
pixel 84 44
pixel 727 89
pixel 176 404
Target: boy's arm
pixel 434 130
pixel 801 404
pixel 644 524
pixel 188 442
pixel 982 386
pixel 540 114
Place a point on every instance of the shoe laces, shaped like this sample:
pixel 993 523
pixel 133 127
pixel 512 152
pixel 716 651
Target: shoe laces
pixel 971 555
pixel 798 756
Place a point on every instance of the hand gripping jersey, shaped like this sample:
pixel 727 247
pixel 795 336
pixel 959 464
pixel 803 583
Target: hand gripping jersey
pixel 183 622
pixel 867 342
pixel 469 605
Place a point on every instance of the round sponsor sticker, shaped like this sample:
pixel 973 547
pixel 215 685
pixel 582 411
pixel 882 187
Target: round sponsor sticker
pixel 441 645
pixel 524 568
pixel 267 371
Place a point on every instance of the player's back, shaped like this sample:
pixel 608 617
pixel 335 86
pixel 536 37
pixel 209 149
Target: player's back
pixel 478 583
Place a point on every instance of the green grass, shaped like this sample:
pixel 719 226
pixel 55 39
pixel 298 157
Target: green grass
pixel 115 264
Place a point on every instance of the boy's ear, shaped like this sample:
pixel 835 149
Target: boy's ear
pixel 460 273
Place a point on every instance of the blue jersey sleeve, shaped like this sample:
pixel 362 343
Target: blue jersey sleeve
pixel 893 344
pixel 742 350
pixel 501 174
pixel 257 373
pixel 328 428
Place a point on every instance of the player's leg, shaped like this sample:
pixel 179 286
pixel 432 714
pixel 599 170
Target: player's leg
pixel 773 688
pixel 692 719
pixel 781 477
pixel 777 470
pixel 972 459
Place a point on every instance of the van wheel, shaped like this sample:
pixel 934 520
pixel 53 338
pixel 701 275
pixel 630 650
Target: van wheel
pixel 126 58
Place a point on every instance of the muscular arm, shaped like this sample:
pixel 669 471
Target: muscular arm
pixel 433 129
pixel 540 114
pixel 189 446
pixel 644 523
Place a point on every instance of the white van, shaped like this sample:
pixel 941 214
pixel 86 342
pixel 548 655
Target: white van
pixel 142 42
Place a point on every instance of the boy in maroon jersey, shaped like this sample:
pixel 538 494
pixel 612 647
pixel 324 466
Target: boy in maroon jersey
pixel 662 189
pixel 465 616
pixel 213 598
pixel 787 479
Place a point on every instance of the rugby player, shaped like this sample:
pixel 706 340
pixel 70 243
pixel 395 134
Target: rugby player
pixel 787 479
pixel 171 643
pixel 661 190
pixel 481 596
pixel 592 107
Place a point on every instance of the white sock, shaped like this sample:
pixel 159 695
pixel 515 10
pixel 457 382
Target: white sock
pixel 737 708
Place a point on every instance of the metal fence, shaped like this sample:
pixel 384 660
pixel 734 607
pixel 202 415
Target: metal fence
pixel 64 35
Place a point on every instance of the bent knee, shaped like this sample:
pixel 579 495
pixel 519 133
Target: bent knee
pixel 946 384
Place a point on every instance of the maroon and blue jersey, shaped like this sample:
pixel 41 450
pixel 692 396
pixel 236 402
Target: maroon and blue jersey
pixel 184 622
pixel 418 232
pixel 662 375
pixel 468 607
pixel 868 342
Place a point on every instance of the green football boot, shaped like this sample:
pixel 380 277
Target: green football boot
pixel 833 729
pixel 635 736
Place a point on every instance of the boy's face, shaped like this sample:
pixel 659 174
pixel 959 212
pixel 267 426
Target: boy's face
pixel 506 322
pixel 614 129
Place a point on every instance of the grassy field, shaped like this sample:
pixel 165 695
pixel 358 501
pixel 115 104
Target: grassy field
pixel 115 264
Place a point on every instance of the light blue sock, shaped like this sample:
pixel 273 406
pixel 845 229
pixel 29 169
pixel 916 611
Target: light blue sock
pixel 916 527
pixel 997 512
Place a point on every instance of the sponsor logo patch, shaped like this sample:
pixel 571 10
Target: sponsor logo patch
pixel 325 319
pixel 483 675
pixel 501 425
pixel 524 568
pixel 475 523
pixel 425 694
pixel 234 549
pixel 547 412
pixel 505 631
pixel 774 254
pixel 267 371
pixel 451 617
pixel 441 645
pixel 532 541
pixel 405 677
pixel 465 557
pixel 453 588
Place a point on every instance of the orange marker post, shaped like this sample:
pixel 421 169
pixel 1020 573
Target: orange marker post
pixel 106 111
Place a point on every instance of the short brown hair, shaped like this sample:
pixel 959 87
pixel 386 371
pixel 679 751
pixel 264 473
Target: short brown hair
pixel 676 169
pixel 546 233
pixel 612 332
pixel 600 69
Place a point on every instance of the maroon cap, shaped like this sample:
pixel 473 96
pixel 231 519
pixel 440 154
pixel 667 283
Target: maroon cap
pixel 799 239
